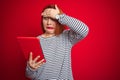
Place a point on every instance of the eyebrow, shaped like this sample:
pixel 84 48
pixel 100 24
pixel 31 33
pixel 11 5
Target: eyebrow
pixel 50 18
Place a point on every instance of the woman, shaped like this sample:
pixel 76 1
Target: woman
pixel 56 44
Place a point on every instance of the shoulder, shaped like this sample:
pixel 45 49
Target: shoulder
pixel 66 31
pixel 39 36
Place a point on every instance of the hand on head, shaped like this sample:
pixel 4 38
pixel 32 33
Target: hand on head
pixel 50 12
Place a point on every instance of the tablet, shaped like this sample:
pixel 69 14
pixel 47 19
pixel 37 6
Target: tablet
pixel 31 44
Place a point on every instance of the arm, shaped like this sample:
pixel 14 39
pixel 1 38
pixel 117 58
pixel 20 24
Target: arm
pixel 78 30
pixel 33 67
pixel 31 73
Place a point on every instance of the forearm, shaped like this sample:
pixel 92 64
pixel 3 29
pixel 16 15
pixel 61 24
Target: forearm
pixel 30 73
pixel 74 24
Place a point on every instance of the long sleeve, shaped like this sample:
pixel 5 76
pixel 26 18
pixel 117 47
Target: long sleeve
pixel 34 74
pixel 58 64
pixel 78 30
pixel 30 73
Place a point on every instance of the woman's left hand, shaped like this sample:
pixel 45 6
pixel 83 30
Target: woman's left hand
pixel 49 12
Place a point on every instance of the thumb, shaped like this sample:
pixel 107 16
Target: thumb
pixel 30 56
pixel 56 7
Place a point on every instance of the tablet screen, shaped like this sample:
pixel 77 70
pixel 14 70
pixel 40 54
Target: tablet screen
pixel 31 44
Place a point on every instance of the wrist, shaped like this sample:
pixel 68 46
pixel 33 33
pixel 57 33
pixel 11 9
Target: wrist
pixel 30 68
pixel 57 16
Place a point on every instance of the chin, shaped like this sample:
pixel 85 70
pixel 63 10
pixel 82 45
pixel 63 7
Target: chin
pixel 50 31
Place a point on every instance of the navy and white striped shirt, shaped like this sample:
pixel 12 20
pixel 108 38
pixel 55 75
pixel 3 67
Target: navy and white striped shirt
pixel 57 51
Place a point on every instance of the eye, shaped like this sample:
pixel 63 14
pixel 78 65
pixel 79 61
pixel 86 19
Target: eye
pixel 53 19
pixel 45 18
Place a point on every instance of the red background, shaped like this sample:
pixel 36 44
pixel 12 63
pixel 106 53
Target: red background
pixel 97 57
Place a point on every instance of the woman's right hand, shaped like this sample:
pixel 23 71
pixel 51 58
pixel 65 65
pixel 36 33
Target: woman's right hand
pixel 49 12
pixel 33 63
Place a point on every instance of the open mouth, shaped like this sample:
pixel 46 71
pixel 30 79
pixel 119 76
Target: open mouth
pixel 50 27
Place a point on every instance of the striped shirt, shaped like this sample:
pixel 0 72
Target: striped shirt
pixel 57 51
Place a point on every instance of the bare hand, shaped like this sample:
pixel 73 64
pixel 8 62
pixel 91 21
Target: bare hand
pixel 49 12
pixel 33 62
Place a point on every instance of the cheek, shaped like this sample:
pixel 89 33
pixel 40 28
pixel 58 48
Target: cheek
pixel 44 23
pixel 54 24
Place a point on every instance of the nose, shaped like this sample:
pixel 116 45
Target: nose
pixel 49 21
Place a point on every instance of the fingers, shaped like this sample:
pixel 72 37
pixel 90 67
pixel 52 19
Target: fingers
pixel 56 7
pixel 44 14
pixel 41 61
pixel 51 12
pixel 38 64
pixel 46 11
pixel 30 56
pixel 34 64
pixel 36 58
pixel 41 64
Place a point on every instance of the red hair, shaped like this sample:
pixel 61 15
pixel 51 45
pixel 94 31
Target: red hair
pixel 59 27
